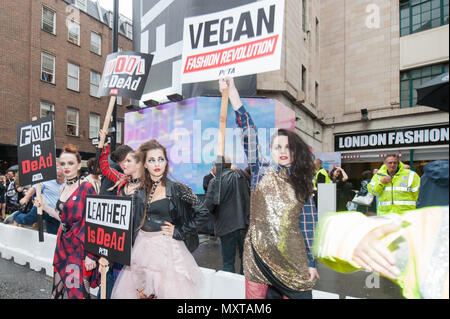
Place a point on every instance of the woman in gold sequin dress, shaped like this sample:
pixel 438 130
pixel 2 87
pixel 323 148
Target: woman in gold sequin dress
pixel 278 258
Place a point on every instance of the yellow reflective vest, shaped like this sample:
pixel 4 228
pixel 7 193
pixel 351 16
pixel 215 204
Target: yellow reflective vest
pixel 397 196
pixel 323 172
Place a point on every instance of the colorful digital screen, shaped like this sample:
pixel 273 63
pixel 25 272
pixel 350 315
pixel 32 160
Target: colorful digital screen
pixel 189 131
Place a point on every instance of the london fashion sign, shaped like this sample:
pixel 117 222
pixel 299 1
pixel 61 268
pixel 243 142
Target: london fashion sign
pixel 419 136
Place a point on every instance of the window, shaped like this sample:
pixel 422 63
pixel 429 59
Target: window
pixel 47 68
pixel 82 5
pixel 304 15
pixel 73 76
pixel 94 125
pixel 316 94
pixel 72 122
pixel 317 35
pixel 94 83
pixel 74 32
pixel 119 125
pixel 303 79
pixel 128 30
pixel 96 43
pixel 421 15
pixel 48 20
pixel 411 80
pixel 47 109
pixel 119 100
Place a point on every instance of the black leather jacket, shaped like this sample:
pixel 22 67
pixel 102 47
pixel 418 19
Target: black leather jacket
pixel 187 212
pixel 233 212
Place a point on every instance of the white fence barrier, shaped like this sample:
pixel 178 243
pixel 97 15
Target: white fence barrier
pixel 23 246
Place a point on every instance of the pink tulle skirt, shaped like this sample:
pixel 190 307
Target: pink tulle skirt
pixel 161 266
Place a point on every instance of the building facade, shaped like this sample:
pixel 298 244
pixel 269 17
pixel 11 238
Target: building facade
pixel 52 57
pixel 351 68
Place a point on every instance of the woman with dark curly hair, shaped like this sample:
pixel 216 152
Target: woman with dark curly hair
pixel 278 258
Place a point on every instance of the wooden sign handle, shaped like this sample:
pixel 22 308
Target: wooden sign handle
pixel 39 209
pixel 103 267
pixel 223 123
pixel 107 121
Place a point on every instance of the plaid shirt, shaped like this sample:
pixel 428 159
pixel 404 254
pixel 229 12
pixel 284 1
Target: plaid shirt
pixel 258 167
pixel 109 172
pixel 69 255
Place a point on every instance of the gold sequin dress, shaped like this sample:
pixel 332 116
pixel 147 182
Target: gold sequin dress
pixel 275 234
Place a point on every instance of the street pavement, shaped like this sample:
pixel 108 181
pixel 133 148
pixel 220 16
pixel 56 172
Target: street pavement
pixel 20 282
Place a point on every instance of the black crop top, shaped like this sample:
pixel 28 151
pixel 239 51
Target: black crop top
pixel 157 215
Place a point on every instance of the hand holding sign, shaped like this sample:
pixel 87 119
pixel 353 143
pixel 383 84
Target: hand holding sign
pixel 227 83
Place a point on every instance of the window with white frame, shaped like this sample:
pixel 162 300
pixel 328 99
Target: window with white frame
pixel 119 100
pixel 96 43
pixel 94 125
pixel 72 122
pixel 73 77
pixel 82 5
pixel 47 67
pixel 119 127
pixel 46 109
pixel 48 20
pixel 94 83
pixel 129 30
pixel 73 32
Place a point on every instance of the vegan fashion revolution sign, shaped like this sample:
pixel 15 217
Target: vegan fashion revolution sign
pixel 36 151
pixel 419 136
pixel 235 42
pixel 125 74
pixel 109 227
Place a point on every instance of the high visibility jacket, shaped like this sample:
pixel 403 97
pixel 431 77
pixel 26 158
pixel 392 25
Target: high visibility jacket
pixel 397 196
pixel 323 172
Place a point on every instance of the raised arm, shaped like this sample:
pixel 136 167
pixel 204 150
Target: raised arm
pixel 107 171
pixel 249 131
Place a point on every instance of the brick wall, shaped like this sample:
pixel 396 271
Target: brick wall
pixel 21 89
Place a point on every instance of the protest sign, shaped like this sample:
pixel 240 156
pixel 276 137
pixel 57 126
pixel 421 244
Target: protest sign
pixel 36 151
pixel 125 74
pixel 235 42
pixel 36 154
pixel 109 227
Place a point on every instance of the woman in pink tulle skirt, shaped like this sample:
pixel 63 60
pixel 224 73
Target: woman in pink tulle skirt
pixel 165 235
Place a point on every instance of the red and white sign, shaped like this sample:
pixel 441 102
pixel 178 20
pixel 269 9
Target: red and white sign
pixel 240 41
